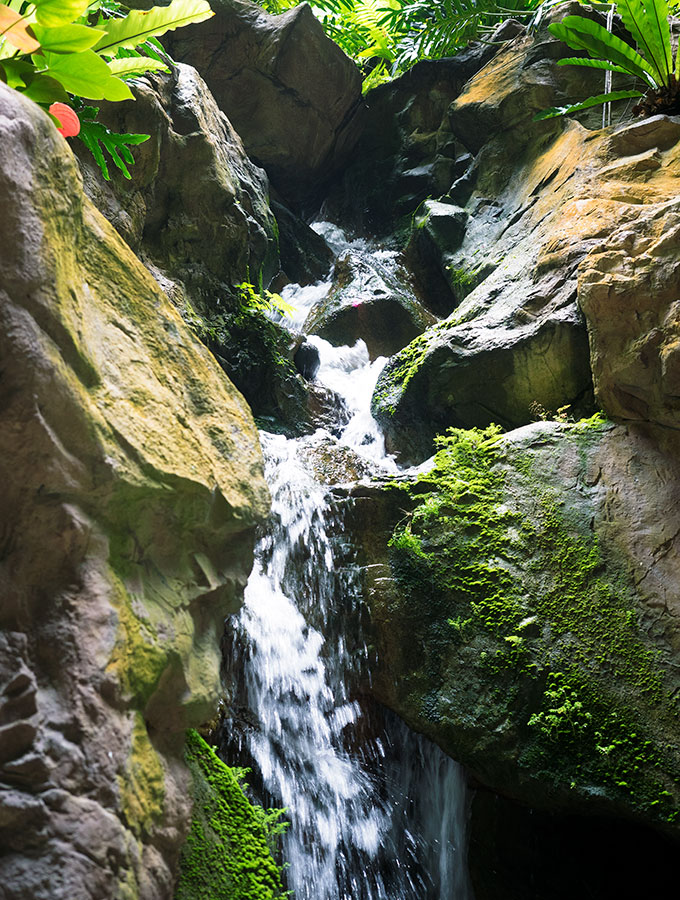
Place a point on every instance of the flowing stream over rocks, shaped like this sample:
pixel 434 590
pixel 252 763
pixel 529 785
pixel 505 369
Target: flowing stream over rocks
pixel 376 812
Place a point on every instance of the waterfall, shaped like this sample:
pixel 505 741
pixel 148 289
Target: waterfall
pixel 376 812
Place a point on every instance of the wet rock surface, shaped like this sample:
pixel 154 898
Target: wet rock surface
pixel 406 151
pixel 368 301
pixel 305 256
pixel 526 616
pixel 133 483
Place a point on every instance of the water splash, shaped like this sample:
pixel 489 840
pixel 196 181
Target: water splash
pixel 376 812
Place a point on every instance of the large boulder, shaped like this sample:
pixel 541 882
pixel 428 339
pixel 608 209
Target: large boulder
pixel 290 92
pixel 195 207
pixel 369 299
pixel 133 484
pixel 629 285
pixel 526 613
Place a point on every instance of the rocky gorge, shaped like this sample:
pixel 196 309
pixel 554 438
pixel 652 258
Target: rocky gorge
pixel 516 593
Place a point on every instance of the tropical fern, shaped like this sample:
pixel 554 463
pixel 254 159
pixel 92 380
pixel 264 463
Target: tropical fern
pixel 98 137
pixel 386 37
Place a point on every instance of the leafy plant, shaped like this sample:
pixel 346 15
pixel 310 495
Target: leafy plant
pixel 57 52
pixel 431 30
pixel 647 22
pixel 97 137
pixel 386 37
pixel 265 302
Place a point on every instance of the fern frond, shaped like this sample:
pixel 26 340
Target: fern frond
pixel 97 138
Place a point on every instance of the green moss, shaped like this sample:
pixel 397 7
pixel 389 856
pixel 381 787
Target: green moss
pixel 227 855
pixel 142 788
pixel 555 621
pixel 462 280
pixel 398 372
pixel 138 660
pixel 402 368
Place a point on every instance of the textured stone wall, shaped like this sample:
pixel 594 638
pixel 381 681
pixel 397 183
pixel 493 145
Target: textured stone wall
pixel 132 482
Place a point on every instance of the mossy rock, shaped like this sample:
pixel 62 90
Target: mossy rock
pixel 516 631
pixel 227 855
pixel 476 368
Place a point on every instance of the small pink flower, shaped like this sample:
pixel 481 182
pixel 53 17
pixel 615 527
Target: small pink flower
pixel 356 303
pixel 69 123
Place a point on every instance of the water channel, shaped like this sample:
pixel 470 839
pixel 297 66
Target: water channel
pixel 376 812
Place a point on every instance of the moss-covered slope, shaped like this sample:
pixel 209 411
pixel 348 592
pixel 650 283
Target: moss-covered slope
pixel 525 627
pixel 227 855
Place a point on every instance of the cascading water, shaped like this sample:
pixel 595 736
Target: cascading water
pixel 376 812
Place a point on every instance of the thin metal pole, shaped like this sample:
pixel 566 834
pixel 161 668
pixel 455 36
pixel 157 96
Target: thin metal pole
pixel 607 108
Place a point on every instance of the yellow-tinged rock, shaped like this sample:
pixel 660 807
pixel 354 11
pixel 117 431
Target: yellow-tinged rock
pixel 132 482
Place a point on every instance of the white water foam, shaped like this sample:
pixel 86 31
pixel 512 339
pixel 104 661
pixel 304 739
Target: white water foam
pixel 387 820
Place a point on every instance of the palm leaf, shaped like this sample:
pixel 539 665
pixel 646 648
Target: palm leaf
pixel 585 104
pixel 582 34
pixel 647 21
pixel 130 67
pixel 139 25
pixel 592 64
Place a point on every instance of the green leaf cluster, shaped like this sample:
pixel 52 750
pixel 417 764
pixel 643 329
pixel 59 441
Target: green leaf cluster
pixel 267 302
pixel 647 22
pixel 386 37
pixel 97 138
pixel 61 50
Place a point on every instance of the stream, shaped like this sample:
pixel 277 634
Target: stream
pixel 376 812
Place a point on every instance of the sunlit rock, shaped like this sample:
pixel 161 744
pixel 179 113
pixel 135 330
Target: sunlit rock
pixel 132 485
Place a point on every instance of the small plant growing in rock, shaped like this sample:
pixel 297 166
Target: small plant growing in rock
pixel 563 713
pixel 59 52
pixel 263 301
pixel 647 21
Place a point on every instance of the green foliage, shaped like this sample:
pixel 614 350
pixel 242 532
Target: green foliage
pixel 66 50
pixel 98 137
pixel 386 37
pixel 431 30
pixel 227 854
pixel 263 301
pixel 129 31
pixel 647 22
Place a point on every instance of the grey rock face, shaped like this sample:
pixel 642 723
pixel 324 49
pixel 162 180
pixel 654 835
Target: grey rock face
pixel 132 485
pixel 290 92
pixel 196 207
pixel 197 212
pixel 406 152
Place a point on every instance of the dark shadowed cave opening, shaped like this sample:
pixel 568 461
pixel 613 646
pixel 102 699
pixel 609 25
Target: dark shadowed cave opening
pixel 520 853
